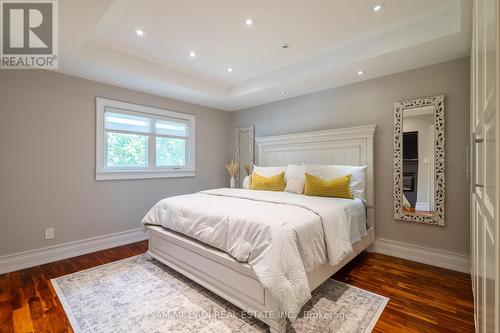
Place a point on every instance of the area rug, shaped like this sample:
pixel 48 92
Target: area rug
pixel 140 294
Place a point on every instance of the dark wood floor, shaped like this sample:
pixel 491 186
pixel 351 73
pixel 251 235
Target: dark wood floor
pixel 422 298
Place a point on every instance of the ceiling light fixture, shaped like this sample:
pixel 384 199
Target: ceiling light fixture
pixel 249 21
pixel 192 54
pixel 361 72
pixel 229 69
pixel 140 32
pixel 283 92
pixel 377 7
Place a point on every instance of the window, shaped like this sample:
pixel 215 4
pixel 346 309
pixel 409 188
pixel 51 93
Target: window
pixel 135 141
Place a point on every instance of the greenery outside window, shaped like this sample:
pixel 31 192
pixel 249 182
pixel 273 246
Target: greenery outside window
pixel 135 141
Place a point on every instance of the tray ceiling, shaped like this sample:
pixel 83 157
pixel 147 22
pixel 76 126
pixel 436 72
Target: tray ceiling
pixel 329 41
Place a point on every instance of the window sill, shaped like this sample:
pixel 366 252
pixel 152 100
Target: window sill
pixel 142 174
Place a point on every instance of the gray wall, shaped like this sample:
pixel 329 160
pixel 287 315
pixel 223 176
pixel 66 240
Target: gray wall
pixel 370 102
pixel 47 146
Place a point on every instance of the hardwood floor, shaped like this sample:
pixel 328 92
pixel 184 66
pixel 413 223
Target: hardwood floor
pixel 28 303
pixel 422 298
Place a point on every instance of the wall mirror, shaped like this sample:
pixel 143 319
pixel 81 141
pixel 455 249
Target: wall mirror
pixel 419 160
pixel 244 152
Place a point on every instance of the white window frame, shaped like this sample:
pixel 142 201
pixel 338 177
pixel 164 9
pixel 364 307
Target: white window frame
pixel 104 173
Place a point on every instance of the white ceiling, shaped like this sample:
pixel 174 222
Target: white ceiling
pixel 330 40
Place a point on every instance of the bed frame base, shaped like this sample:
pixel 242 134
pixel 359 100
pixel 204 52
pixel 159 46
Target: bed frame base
pixel 230 279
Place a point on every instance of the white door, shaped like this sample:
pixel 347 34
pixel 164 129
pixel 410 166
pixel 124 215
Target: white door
pixel 485 170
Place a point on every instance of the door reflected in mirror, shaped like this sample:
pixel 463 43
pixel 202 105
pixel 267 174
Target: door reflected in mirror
pixel 418 161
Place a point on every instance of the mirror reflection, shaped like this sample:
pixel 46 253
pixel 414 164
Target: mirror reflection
pixel 244 163
pixel 418 161
pixel 244 152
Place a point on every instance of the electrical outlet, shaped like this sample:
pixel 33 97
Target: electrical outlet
pixel 49 233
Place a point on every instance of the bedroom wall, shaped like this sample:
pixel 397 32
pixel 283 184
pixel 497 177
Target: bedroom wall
pixel 371 102
pixel 47 145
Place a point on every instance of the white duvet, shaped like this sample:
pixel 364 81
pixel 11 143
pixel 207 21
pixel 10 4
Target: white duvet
pixel 280 235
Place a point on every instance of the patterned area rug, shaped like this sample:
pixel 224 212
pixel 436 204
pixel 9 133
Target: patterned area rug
pixel 140 294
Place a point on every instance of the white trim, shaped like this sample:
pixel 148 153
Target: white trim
pixel 128 174
pixel 103 173
pixel 143 109
pixel 444 259
pixel 425 206
pixel 21 260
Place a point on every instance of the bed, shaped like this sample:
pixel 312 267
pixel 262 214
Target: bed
pixel 222 262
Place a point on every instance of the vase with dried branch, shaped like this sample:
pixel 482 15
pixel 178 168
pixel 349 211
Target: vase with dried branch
pixel 232 168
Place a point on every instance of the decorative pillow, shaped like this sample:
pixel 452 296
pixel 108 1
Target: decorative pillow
pixel 268 171
pixel 358 176
pixel 296 171
pixel 274 183
pixel 247 182
pixel 294 185
pixel 295 178
pixel 337 187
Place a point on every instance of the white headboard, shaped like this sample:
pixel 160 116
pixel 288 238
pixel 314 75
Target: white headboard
pixel 344 146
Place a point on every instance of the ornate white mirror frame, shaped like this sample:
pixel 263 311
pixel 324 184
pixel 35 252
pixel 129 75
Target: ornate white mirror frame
pixel 251 144
pixel 438 215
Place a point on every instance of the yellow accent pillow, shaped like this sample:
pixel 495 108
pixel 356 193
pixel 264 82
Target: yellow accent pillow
pixel 337 187
pixel 274 183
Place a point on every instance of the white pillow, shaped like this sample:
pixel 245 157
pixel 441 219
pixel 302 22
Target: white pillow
pixel 268 171
pixel 295 185
pixel 296 171
pixel 247 181
pixel 358 176
pixel 295 178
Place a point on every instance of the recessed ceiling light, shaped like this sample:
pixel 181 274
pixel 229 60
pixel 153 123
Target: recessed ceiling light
pixel 140 32
pixel 192 54
pixel 229 69
pixel 248 21
pixel 361 72
pixel 377 7
pixel 283 92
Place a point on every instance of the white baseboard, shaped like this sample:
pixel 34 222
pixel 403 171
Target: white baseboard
pixel 22 260
pixel 426 206
pixel 439 258
pixel 17 261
